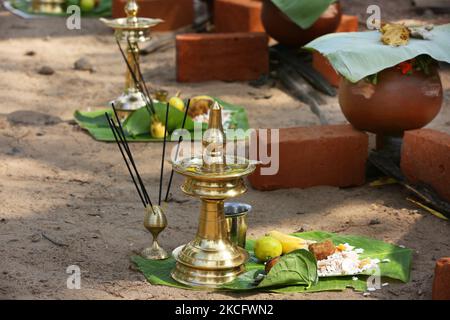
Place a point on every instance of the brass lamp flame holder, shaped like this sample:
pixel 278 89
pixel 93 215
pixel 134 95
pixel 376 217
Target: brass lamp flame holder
pixel 133 30
pixel 211 259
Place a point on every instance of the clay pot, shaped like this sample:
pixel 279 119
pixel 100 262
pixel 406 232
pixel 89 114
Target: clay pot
pixel 285 31
pixel 396 103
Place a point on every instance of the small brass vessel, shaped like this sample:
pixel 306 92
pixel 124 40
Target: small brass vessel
pixel 211 259
pixel 155 221
pixel 133 30
pixel 236 217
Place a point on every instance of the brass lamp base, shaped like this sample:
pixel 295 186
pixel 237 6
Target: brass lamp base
pixel 204 278
pixel 155 252
pixel 209 261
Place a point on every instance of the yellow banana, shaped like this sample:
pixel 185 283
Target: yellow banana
pixel 197 98
pixel 288 242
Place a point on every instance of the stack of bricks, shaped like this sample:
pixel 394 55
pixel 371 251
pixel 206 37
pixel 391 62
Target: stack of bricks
pixel 239 19
pixel 236 51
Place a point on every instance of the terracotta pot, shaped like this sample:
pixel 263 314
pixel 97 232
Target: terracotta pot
pixel 396 103
pixel 286 32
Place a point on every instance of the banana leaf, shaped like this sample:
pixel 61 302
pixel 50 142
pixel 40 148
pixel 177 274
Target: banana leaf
pixel 303 12
pixel 400 258
pixel 137 125
pixel 104 9
pixel 158 272
pixel 356 55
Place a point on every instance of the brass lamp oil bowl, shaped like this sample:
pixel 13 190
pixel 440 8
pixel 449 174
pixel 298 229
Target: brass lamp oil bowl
pixel 211 259
pixel 155 222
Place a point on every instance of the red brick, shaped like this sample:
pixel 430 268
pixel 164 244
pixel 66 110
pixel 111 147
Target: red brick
pixel 175 13
pixel 348 24
pixel 321 64
pixel 237 16
pixel 221 56
pixel 441 282
pixel 426 159
pixel 332 155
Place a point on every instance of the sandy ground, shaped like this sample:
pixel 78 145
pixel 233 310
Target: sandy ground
pixel 58 182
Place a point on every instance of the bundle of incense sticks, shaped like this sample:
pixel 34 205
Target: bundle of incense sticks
pixel 120 137
pixel 122 143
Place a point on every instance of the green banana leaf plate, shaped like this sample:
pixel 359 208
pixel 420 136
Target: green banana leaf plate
pixel 137 125
pixel 397 268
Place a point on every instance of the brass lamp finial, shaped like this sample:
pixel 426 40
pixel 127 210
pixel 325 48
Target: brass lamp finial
pixel 214 141
pixel 131 9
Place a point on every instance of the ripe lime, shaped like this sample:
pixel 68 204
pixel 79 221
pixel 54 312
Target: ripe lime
pixel 157 129
pixel 87 5
pixel 267 248
pixel 177 103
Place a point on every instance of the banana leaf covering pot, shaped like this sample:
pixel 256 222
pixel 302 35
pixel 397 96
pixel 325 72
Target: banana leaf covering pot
pixel 280 27
pixel 397 102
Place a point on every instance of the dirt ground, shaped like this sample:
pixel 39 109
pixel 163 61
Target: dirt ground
pixel 57 183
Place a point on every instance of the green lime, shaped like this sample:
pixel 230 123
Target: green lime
pixel 267 248
pixel 87 5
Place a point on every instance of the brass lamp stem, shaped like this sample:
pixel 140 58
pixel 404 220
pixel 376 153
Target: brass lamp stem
pixel 130 84
pixel 212 224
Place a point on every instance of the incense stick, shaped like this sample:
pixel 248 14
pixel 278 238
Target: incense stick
pixel 124 141
pixel 180 139
pixel 163 154
pixel 111 125
pixel 148 100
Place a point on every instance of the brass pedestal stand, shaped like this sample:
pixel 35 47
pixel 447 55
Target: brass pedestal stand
pixel 133 30
pixel 211 259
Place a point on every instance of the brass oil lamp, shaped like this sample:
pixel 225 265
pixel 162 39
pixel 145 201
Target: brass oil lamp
pixel 133 30
pixel 211 259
